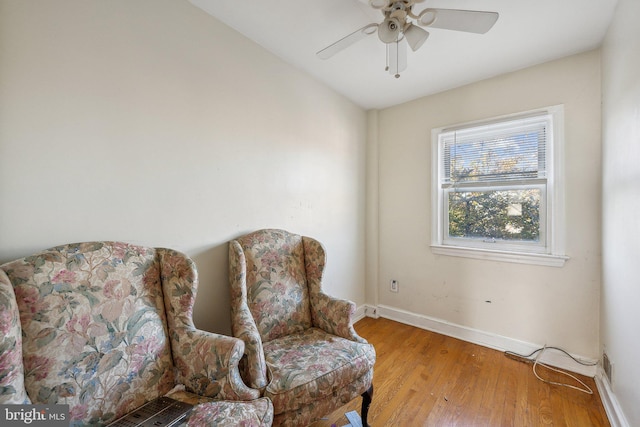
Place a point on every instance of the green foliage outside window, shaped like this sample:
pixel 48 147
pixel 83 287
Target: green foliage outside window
pixel 512 215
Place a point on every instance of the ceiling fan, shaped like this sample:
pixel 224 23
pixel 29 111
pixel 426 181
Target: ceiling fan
pixel 402 23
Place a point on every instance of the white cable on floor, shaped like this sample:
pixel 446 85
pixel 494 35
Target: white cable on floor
pixel 587 389
pixel 537 362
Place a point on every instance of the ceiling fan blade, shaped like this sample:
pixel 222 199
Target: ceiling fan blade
pixel 347 41
pixel 397 57
pixel 471 21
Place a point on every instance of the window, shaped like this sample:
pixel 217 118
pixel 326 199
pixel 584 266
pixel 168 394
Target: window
pixel 497 190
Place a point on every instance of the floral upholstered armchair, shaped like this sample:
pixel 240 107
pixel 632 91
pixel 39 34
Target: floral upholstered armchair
pixel 301 349
pixel 106 327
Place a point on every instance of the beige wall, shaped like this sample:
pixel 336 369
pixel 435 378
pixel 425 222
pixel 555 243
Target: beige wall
pixel 621 205
pixel 149 121
pixel 535 304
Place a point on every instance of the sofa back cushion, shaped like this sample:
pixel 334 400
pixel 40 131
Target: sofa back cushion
pixel 94 328
pixel 277 293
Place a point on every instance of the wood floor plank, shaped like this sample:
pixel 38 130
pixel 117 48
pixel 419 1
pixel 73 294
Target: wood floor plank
pixel 427 379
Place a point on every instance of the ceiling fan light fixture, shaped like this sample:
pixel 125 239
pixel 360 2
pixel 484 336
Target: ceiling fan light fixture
pixel 415 36
pixel 389 30
pixel 379 4
pixel 427 17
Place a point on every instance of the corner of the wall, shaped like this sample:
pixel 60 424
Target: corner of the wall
pixel 360 313
pixel 609 400
pixel 366 310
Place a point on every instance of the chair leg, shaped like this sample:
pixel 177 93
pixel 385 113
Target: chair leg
pixel 367 397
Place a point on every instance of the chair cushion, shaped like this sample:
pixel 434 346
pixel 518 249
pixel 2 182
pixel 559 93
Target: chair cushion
pixel 225 413
pixel 12 389
pixel 310 365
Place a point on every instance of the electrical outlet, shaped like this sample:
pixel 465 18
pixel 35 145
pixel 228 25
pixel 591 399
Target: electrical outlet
pixel 393 285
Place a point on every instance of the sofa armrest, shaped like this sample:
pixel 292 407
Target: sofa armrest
pixel 207 363
pixel 12 389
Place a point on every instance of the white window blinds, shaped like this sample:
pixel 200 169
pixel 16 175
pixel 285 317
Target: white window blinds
pixel 514 150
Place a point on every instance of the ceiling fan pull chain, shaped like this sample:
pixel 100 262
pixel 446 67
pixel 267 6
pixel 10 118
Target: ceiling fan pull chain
pixel 397 58
pixel 386 68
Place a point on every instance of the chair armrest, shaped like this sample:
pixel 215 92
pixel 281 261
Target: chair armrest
pixel 207 363
pixel 243 324
pixel 255 364
pixel 335 316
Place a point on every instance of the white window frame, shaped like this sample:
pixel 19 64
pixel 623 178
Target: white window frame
pixel 550 250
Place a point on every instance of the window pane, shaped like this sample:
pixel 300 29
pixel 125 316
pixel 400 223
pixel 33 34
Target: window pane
pixel 503 215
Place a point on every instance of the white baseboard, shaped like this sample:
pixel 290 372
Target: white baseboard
pixel 486 339
pixel 361 313
pixel 370 311
pixel 609 401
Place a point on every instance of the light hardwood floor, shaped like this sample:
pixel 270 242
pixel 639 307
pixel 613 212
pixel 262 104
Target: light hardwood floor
pixel 427 379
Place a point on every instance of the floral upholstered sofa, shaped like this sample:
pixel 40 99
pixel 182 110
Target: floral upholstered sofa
pixel 106 327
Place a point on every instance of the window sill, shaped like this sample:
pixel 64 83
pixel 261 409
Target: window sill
pixel 503 256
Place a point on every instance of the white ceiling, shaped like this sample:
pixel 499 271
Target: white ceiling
pixel 528 32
